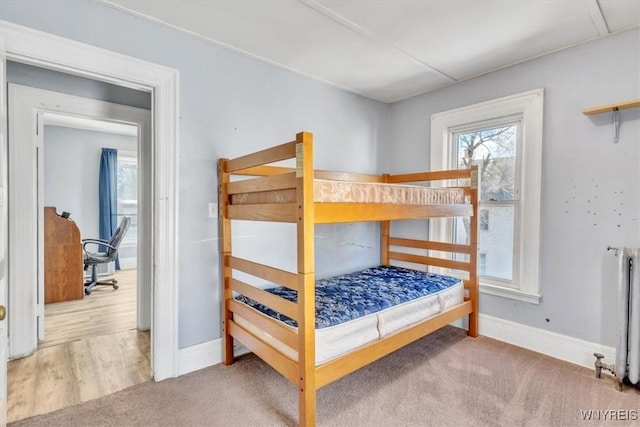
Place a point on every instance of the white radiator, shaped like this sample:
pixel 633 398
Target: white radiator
pixel 628 349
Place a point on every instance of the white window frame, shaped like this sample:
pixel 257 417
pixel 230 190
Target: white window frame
pixel 130 157
pixel 528 105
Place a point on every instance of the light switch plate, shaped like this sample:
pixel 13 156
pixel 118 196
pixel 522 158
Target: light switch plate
pixel 213 210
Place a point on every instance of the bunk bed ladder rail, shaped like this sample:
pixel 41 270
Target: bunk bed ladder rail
pixel 269 178
pixel 306 272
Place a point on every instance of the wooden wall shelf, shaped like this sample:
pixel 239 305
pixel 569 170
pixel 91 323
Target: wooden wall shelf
pixel 612 107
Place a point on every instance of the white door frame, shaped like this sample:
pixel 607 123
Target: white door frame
pixel 3 245
pixel 25 45
pixel 29 109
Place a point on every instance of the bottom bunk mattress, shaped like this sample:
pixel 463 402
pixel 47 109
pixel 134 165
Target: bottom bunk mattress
pixel 357 308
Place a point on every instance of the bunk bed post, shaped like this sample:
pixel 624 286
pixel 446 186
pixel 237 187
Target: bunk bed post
pixel 385 227
pixel 306 292
pixel 473 254
pixel 225 253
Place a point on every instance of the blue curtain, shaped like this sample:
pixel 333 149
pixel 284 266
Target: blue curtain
pixel 108 195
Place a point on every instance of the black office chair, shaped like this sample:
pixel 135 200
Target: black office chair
pixel 92 259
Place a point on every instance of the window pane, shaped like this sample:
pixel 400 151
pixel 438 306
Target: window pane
pixel 484 220
pixel 496 243
pixel 127 181
pixel 482 264
pixel 494 150
pixel 128 198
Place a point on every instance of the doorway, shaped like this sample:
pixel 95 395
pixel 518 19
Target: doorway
pixel 76 204
pixel 29 110
pixel 88 343
pixel 25 45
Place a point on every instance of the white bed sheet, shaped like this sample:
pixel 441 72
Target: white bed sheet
pixel 336 340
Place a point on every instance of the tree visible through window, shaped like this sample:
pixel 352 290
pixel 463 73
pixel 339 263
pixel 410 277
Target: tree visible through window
pixel 484 220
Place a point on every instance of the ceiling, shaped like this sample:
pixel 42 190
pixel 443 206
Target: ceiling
pixel 390 50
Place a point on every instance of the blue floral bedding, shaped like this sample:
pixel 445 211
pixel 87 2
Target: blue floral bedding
pixel 350 296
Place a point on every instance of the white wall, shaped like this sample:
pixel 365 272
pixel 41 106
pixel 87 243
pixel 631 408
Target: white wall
pixel 590 188
pixel 230 105
pixel 71 172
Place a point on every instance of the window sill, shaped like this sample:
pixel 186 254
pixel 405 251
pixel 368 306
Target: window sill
pixel 514 294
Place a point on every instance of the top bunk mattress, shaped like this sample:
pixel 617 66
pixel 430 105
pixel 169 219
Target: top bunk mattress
pixel 331 191
pixel 347 297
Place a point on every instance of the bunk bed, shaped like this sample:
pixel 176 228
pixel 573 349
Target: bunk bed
pixel 287 325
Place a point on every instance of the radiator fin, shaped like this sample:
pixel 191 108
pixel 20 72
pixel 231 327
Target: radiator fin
pixel 628 349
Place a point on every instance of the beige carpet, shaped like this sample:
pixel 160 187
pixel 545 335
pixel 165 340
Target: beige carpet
pixel 445 379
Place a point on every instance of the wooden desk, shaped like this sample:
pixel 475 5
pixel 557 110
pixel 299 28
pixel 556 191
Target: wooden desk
pixel 63 277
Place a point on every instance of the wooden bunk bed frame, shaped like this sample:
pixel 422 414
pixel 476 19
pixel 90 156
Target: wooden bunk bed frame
pixel 306 213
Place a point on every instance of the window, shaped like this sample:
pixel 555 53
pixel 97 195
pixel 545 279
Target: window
pixel 493 146
pixel 504 138
pixel 128 194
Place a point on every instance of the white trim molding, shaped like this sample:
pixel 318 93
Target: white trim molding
pixel 515 294
pixel 552 344
pixel 26 45
pixel 203 355
pixel 199 356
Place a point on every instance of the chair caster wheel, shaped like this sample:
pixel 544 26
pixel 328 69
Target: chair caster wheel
pixel 87 291
pixel 115 287
pixel 115 282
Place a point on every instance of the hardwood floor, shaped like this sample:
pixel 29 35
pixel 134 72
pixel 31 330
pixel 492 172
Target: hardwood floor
pixel 105 311
pixel 91 348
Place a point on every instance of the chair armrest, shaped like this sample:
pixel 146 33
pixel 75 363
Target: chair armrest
pixel 98 241
pixel 86 242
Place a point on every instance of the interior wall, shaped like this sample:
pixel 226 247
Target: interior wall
pixel 231 104
pixel 590 186
pixel 71 172
pixel 41 78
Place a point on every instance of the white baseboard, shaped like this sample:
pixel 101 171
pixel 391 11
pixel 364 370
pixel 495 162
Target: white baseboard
pixel 199 356
pixel 203 355
pixel 552 344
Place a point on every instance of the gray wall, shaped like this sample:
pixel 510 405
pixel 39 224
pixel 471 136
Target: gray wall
pixel 590 188
pixel 28 75
pixel 229 105
pixel 71 170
